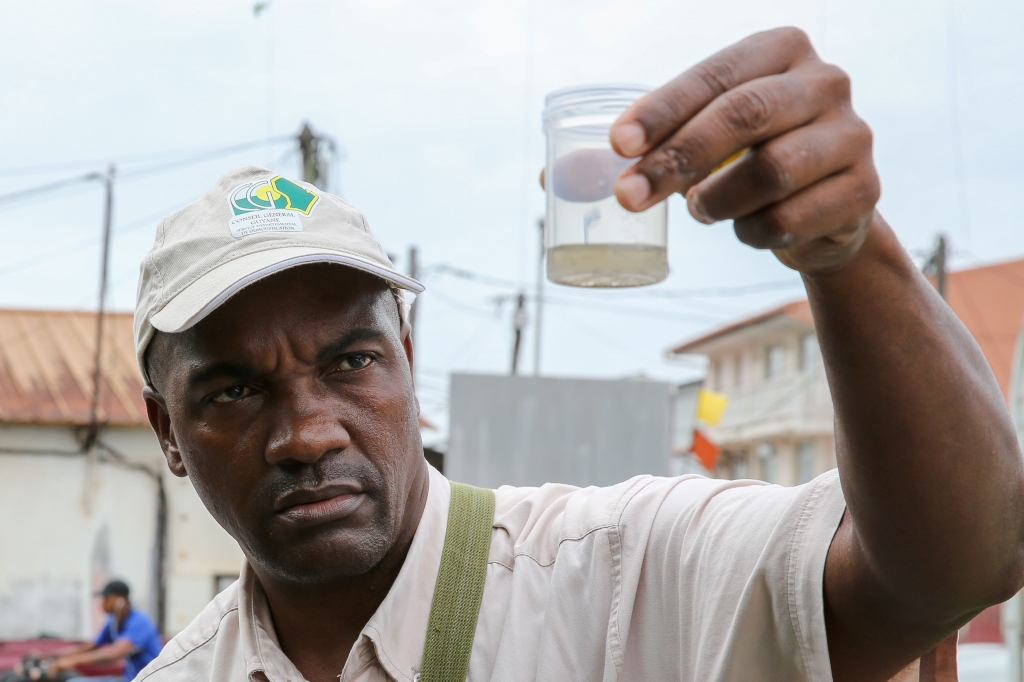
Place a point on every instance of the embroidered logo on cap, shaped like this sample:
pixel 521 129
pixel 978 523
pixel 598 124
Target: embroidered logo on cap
pixel 273 205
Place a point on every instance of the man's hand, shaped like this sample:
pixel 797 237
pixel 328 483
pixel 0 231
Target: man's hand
pixel 806 188
pixel 59 664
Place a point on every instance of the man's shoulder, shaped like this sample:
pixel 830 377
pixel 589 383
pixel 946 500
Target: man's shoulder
pixel 539 521
pixel 190 655
pixel 139 618
pixel 536 521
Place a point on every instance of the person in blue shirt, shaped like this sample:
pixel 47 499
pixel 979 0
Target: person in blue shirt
pixel 128 634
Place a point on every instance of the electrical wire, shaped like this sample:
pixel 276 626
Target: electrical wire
pixel 130 226
pixel 124 160
pixel 738 290
pixel 14 197
pixel 458 305
pixel 223 151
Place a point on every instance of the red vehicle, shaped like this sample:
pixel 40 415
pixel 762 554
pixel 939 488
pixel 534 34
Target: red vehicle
pixel 33 654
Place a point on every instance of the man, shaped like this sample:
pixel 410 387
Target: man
pixel 279 372
pixel 128 634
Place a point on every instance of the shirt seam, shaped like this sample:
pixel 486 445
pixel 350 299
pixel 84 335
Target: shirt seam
pixel 792 559
pixel 192 650
pixel 256 636
pixel 379 651
pixel 615 556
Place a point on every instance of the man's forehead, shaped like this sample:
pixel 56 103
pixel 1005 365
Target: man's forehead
pixel 314 305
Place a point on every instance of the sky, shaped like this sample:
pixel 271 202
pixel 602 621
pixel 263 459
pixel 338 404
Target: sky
pixel 437 107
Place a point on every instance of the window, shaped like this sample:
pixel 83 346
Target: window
pixel 768 462
pixel 805 465
pixel 774 361
pixel 725 374
pixel 810 354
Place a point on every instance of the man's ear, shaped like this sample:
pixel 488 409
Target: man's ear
pixel 406 335
pixel 160 420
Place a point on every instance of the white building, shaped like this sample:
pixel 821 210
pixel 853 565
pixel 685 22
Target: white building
pixel 72 517
pixel 778 426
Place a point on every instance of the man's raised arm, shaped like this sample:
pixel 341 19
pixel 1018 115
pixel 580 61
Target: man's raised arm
pixel 928 458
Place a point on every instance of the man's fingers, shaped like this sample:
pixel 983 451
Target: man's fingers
pixel 749 114
pixel 832 210
pixel 783 166
pixel 654 117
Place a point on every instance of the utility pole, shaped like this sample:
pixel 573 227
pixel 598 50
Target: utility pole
pixel 936 265
pixel 92 434
pixel 414 271
pixel 540 302
pixel 316 151
pixel 518 322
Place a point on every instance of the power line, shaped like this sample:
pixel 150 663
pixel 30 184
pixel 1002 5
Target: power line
pixel 223 151
pixel 130 226
pixel 738 290
pixel 13 198
pixel 123 160
pixel 463 307
pixel 7 199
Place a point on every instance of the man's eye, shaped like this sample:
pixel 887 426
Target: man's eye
pixel 356 361
pixel 230 395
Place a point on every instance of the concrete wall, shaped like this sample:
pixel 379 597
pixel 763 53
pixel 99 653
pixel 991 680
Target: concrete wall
pixel 68 523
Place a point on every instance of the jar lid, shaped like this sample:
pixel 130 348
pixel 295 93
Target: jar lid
pixel 592 99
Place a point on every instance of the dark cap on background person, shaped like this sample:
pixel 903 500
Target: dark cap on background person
pixel 115 588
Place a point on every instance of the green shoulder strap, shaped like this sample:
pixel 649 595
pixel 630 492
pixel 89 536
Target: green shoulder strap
pixel 460 585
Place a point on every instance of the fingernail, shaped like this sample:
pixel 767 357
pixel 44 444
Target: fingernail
pixel 633 190
pixel 629 138
pixel 696 209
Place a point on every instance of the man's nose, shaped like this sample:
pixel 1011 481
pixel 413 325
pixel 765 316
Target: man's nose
pixel 307 427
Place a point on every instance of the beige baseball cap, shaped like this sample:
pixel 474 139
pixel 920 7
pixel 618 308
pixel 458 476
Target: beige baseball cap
pixel 252 224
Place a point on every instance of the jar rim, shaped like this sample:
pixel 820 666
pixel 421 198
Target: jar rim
pixel 593 94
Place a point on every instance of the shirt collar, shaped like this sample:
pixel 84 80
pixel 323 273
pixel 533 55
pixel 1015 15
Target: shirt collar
pixel 396 632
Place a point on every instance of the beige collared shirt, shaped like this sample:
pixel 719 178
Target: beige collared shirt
pixel 653 579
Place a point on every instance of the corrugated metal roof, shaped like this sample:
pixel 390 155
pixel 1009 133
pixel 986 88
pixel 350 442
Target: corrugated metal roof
pixel 46 369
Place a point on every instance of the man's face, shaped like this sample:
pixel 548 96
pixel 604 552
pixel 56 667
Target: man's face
pixel 110 603
pixel 292 410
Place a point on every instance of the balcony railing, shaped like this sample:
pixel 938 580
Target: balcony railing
pixel 797 403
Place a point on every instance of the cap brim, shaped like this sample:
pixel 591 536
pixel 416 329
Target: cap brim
pixel 203 296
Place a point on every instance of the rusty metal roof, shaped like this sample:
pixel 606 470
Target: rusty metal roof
pixel 46 369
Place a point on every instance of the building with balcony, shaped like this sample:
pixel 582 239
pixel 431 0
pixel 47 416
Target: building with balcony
pixel 778 426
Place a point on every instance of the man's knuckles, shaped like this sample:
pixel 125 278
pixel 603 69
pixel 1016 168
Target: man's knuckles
pixel 749 112
pixel 794 39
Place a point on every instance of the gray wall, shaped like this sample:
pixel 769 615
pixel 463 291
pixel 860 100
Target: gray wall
pixel 527 431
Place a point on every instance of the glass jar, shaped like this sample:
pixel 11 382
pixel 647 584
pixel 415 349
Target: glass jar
pixel 591 241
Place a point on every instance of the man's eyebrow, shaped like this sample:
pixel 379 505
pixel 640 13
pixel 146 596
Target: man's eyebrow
pixel 346 340
pixel 218 370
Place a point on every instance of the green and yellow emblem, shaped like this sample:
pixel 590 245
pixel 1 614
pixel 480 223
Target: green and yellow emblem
pixel 269 206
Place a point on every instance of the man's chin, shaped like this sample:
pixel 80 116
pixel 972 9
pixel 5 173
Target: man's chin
pixel 325 554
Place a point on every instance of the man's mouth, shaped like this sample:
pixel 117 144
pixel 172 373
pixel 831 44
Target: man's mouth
pixel 307 507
